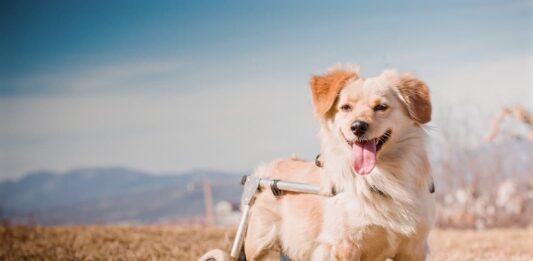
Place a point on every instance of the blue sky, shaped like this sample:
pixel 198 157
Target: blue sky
pixel 171 86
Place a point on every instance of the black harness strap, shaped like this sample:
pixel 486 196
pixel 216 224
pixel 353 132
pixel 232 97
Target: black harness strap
pixel 318 163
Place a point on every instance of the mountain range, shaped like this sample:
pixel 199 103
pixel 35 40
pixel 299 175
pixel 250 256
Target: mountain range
pixel 112 195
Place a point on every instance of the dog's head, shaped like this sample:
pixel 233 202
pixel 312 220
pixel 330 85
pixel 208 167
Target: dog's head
pixel 366 116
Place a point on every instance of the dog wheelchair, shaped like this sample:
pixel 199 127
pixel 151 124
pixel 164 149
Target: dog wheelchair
pixel 251 186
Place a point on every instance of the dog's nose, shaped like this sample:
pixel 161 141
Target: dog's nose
pixel 359 127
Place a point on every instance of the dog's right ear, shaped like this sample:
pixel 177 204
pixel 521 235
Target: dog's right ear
pixel 325 89
pixel 415 95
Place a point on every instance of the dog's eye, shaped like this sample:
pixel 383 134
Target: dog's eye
pixel 381 107
pixel 346 107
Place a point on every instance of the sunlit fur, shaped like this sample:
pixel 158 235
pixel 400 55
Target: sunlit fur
pixel 358 223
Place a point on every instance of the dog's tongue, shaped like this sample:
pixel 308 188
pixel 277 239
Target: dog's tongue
pixel 364 157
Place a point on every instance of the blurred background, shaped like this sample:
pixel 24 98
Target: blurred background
pixel 145 112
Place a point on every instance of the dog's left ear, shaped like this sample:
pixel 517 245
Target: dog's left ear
pixel 325 89
pixel 415 94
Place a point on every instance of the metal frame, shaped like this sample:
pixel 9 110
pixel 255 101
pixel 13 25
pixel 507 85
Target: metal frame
pixel 251 186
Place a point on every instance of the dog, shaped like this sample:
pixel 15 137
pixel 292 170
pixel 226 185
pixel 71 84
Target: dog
pixel 374 168
pixel 373 146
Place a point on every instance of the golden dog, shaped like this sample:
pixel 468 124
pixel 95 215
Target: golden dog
pixel 374 161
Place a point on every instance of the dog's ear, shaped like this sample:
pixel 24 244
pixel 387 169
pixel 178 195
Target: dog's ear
pixel 415 94
pixel 325 88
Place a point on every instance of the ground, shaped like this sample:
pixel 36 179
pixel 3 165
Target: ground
pixel 188 243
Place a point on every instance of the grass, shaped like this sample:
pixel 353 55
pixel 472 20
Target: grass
pixel 188 243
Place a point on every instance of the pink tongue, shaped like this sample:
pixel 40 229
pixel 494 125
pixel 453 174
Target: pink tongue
pixel 364 157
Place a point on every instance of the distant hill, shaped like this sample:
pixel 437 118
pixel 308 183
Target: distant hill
pixel 111 195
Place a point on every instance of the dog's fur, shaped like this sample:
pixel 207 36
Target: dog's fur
pixel 385 214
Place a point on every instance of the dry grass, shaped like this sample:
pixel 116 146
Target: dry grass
pixel 497 244
pixel 110 242
pixel 181 243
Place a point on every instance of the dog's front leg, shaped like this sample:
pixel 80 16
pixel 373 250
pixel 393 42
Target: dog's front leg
pixel 416 251
pixel 328 236
pixel 333 243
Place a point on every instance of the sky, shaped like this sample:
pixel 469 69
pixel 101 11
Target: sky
pixel 172 86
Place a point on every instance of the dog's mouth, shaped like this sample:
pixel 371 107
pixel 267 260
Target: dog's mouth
pixel 364 152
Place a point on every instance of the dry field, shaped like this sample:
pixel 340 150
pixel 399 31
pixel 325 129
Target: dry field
pixel 188 243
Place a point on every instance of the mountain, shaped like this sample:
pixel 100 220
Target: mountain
pixel 112 195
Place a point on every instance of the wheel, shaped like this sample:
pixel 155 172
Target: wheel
pixel 215 255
